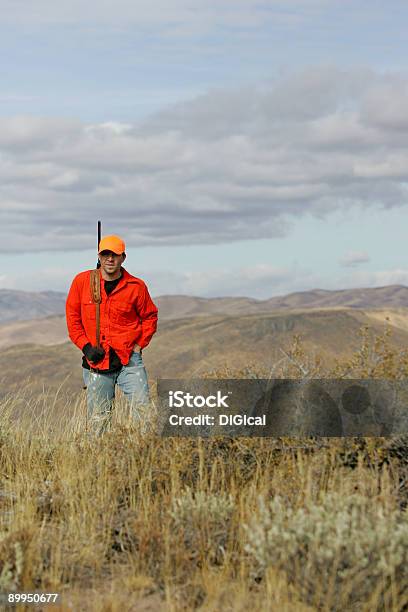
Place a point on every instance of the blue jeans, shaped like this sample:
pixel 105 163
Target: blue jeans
pixel 131 379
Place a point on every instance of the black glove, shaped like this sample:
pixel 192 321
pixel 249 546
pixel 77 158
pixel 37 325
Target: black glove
pixel 92 353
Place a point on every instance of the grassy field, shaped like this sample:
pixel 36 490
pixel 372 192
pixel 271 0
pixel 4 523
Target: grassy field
pixel 137 522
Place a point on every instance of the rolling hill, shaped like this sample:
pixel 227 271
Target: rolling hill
pixel 197 335
pixel 192 346
pixel 22 305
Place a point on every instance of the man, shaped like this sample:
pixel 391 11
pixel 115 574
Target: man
pixel 128 320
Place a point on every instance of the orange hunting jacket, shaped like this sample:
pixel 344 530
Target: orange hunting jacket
pixel 128 316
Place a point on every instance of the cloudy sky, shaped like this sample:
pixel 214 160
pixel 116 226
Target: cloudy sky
pixel 240 147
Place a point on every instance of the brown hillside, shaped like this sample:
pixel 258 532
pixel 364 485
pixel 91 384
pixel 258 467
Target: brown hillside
pixel 191 346
pixel 52 330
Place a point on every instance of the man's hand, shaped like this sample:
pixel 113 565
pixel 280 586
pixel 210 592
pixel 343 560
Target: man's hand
pixel 136 348
pixel 92 353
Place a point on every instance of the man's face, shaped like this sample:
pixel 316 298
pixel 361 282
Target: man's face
pixel 110 261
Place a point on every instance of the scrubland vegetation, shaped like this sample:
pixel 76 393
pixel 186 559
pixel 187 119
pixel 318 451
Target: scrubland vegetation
pixel 132 521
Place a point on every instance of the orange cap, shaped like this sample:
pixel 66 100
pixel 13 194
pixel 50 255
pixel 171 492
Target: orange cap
pixel 112 243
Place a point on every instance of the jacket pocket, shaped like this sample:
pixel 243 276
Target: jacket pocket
pixel 124 313
pixel 88 311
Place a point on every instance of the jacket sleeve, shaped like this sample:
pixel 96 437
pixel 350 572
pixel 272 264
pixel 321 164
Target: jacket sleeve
pixel 76 330
pixel 148 314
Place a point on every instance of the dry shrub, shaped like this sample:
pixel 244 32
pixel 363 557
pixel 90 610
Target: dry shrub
pixel 337 552
pixel 202 520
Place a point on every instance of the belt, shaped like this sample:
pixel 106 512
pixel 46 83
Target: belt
pixel 99 371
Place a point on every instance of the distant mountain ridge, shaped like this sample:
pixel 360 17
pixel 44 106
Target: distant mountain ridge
pixel 395 296
pixel 391 296
pixel 18 305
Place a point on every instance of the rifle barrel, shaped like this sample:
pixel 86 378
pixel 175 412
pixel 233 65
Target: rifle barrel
pixel 98 265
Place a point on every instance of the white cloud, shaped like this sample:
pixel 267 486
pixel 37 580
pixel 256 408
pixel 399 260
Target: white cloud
pixel 354 258
pixel 179 13
pixel 264 281
pixel 260 281
pixel 229 165
pixel 377 278
pixel 115 127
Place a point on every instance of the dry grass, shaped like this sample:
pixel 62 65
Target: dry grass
pixel 131 521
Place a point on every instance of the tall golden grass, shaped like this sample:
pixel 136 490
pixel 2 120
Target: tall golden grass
pixel 132 521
